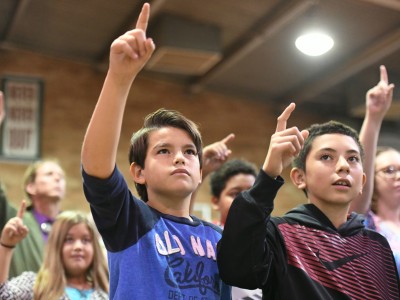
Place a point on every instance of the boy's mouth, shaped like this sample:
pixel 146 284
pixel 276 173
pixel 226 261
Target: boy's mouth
pixel 342 182
pixel 180 171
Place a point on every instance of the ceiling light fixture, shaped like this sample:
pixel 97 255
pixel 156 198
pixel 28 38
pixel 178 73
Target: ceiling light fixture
pixel 314 43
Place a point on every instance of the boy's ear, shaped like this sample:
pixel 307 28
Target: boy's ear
pixel 364 180
pixel 137 173
pixel 298 178
pixel 214 203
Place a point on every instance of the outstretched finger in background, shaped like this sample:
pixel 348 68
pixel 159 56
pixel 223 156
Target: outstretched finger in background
pixel 228 138
pixel 21 209
pixel 384 75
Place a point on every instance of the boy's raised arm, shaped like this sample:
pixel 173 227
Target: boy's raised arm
pixel 216 154
pixel 244 253
pixel 285 144
pixel 128 54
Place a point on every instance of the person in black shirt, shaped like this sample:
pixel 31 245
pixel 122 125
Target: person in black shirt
pixel 317 250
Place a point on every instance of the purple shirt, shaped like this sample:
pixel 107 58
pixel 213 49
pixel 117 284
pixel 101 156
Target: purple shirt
pixel 44 222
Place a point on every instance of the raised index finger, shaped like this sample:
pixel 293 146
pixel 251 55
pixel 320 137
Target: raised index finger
pixel 228 138
pixel 21 210
pixel 384 75
pixel 144 17
pixel 284 117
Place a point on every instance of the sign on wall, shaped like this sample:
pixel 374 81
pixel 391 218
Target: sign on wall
pixel 21 130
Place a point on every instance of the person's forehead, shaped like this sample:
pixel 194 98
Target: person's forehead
pixel 49 166
pixel 240 179
pixel 335 141
pixel 79 228
pixel 169 135
pixel 390 157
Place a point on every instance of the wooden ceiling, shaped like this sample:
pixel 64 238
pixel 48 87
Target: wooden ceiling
pixel 241 48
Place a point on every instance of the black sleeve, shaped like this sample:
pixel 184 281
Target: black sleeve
pixel 244 254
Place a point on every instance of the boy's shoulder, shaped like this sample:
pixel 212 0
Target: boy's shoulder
pixel 310 216
pixel 376 236
pixel 207 224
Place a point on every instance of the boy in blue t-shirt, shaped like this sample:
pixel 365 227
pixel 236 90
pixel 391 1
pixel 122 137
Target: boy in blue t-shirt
pixel 156 249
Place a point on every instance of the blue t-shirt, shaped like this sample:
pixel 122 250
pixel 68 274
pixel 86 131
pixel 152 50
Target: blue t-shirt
pixel 152 255
pixel 75 294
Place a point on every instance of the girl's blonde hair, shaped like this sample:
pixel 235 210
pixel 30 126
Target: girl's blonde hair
pixel 51 280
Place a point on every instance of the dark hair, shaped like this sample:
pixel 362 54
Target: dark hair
pixel 316 130
pixel 220 177
pixel 156 120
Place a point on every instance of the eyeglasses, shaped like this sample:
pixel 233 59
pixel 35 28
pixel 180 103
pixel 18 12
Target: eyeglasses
pixel 389 171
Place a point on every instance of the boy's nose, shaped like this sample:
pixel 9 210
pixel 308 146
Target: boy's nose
pixel 342 165
pixel 179 158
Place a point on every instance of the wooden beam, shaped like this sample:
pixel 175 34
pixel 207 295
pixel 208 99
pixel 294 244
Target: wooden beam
pixel 374 53
pixel 392 4
pixel 17 18
pixel 258 34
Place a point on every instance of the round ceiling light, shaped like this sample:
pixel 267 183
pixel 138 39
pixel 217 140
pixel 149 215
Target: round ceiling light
pixel 314 44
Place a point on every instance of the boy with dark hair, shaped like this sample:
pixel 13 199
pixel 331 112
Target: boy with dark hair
pixel 316 130
pixel 227 182
pixel 317 250
pixel 232 178
pixel 156 249
pixel 154 121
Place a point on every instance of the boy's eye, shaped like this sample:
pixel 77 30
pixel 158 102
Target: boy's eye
pixel 191 151
pixel 233 194
pixel 325 157
pixel 163 151
pixel 354 159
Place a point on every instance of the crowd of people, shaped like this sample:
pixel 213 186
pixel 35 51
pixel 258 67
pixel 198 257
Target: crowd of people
pixel 343 243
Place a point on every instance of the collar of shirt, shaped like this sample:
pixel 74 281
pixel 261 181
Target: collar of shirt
pixel 44 223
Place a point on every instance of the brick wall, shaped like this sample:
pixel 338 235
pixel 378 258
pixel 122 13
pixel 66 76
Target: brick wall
pixel 70 94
